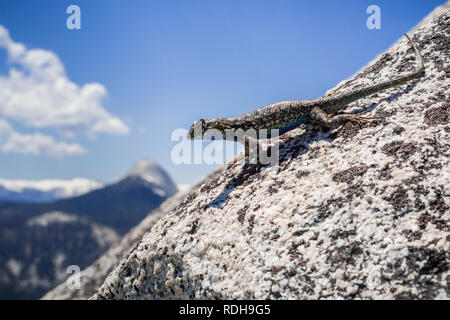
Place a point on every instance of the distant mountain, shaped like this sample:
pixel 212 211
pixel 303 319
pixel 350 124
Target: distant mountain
pixel 35 236
pixel 149 171
pixel 36 252
pixel 44 190
pixel 120 205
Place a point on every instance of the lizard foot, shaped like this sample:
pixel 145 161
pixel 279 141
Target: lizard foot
pixel 329 121
pixel 359 119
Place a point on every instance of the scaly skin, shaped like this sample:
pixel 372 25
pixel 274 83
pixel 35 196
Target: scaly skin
pixel 286 115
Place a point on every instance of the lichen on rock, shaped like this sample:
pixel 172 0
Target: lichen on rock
pixel 349 213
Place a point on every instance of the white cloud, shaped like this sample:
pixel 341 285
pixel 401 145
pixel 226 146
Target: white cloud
pixel 37 93
pixel 36 143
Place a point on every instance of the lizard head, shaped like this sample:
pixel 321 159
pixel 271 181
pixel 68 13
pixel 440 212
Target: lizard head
pixel 199 127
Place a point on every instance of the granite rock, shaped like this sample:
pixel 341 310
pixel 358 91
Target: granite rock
pixel 350 213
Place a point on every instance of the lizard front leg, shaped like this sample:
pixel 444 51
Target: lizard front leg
pixel 252 149
pixel 324 119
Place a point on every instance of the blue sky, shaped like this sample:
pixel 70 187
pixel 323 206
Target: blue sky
pixel 164 64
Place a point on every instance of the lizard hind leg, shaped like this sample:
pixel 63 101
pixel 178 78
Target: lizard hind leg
pixel 326 120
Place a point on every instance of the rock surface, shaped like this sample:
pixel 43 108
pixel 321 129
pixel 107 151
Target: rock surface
pixel 93 276
pixel 349 213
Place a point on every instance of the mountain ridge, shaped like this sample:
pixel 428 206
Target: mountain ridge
pixel 39 240
pixel 45 190
pixel 155 175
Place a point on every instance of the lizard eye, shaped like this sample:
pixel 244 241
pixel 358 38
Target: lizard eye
pixel 196 128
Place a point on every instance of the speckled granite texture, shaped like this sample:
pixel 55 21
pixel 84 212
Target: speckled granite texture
pixel 93 276
pixel 349 213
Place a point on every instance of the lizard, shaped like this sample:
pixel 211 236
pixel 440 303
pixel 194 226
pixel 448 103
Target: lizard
pixel 287 115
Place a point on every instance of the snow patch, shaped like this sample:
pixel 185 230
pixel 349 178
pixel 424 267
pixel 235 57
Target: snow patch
pixel 104 236
pixel 45 219
pixel 60 188
pixel 14 266
pixel 154 174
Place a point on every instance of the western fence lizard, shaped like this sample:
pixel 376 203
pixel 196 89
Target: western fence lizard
pixel 286 115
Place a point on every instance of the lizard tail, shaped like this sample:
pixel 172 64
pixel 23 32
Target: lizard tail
pixel 367 91
pixel 421 69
